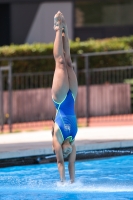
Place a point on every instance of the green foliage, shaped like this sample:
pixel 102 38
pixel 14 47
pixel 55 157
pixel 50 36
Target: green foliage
pixel 77 47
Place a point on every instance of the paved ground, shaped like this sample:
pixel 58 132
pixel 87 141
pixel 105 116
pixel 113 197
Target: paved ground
pixel 16 145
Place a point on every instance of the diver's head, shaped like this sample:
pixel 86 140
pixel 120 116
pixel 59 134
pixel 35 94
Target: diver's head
pixel 66 148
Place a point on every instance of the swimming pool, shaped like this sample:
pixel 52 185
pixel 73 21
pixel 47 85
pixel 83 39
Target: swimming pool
pixel 103 179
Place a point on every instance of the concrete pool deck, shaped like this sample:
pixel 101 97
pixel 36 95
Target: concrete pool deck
pixel 24 144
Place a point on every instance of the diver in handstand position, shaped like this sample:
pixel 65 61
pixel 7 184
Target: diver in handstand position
pixel 64 92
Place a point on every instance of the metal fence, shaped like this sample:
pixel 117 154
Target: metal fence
pixel 105 94
pixel 111 77
pixel 109 91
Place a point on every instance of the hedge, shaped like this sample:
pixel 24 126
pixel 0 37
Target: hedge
pixel 77 47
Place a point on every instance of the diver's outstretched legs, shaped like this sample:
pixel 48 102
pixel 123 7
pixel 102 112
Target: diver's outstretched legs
pixel 73 86
pixel 60 84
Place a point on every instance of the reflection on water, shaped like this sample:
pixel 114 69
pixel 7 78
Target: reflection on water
pixel 110 178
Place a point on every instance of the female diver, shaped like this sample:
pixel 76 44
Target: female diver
pixel 64 92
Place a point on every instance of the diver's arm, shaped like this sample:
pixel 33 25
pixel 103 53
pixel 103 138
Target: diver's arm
pixel 59 157
pixel 71 165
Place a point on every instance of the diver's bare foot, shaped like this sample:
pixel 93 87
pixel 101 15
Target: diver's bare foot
pixel 64 25
pixel 57 21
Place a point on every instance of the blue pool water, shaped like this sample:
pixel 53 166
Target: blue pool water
pixel 104 179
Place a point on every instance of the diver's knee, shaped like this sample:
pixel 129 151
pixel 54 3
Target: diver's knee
pixel 68 62
pixel 60 60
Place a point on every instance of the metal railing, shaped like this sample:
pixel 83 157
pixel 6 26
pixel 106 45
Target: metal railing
pixel 28 90
pixel 9 100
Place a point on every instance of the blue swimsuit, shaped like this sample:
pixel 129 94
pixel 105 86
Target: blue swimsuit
pixel 65 117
